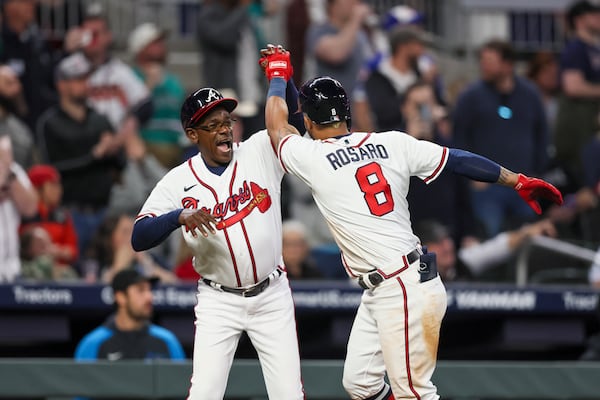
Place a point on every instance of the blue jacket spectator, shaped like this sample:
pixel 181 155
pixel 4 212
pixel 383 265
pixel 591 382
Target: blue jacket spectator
pixel 128 334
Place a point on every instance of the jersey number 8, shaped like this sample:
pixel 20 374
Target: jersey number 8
pixel 372 183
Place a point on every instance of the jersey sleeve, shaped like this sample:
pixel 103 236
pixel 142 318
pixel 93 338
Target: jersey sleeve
pixel 160 201
pixel 293 152
pixel 425 160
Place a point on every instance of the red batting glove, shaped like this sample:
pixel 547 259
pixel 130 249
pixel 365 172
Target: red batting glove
pixel 532 188
pixel 278 66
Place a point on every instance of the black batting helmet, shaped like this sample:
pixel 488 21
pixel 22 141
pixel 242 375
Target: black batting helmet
pixel 324 100
pixel 199 103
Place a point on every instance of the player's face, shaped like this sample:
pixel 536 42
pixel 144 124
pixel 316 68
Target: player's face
pixel 214 137
pixel 138 301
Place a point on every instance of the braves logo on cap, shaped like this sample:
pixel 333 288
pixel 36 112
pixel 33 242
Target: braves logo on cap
pixel 213 95
pixel 199 103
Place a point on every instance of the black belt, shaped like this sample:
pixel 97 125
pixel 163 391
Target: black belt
pixel 375 277
pixel 248 291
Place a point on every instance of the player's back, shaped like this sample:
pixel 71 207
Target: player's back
pixel 360 182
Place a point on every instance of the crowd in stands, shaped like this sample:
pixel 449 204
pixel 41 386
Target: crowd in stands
pixel 85 135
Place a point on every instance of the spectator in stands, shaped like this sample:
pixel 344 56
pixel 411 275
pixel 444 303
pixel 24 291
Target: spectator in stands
pixel 81 145
pixel 11 102
pixel 228 41
pixel 162 133
pixel 501 117
pixel 27 53
pixel 112 248
pixel 388 83
pixel 340 46
pixel 577 118
pixel 426 119
pixel 403 16
pixel 128 334
pixel 475 258
pixel 141 172
pixel 115 90
pixel 298 22
pixel 51 216
pixel 542 70
pixel 296 252
pixel 17 199
pixel 38 260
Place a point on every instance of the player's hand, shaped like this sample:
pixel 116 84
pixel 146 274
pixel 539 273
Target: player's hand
pixel 276 63
pixel 530 189
pixel 198 219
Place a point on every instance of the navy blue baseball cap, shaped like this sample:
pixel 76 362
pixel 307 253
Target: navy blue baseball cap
pixel 199 103
pixel 130 276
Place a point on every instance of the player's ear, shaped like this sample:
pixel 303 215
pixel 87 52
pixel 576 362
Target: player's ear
pixel 307 123
pixel 192 134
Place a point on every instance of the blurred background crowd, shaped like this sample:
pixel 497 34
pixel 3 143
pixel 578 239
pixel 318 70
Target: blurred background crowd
pixel 89 122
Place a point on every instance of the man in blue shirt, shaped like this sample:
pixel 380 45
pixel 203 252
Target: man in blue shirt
pixel 501 117
pixel 128 334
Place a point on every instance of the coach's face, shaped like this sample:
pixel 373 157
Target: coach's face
pixel 214 137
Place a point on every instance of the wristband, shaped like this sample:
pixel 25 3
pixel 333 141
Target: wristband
pixel 277 88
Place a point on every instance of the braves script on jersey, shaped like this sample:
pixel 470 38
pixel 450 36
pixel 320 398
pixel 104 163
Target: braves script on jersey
pixel 246 200
pixel 371 229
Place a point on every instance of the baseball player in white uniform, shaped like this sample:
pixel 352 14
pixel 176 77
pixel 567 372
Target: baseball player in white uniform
pixel 226 200
pixel 360 182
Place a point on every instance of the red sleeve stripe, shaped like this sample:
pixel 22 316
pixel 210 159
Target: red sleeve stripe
pixel 439 168
pixel 285 139
pixel 141 216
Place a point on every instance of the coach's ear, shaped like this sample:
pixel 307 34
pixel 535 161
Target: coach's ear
pixel 192 134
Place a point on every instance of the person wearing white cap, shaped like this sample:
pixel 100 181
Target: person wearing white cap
pixel 162 133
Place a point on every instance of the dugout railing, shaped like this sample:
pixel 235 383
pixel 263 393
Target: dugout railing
pixel 62 378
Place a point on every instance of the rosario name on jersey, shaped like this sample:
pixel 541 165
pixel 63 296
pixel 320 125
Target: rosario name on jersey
pixel 369 215
pixel 246 201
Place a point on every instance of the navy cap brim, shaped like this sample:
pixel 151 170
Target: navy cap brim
pixel 228 103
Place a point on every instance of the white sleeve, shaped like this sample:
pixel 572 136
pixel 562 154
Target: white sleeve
pixel 136 91
pixel 486 254
pixel 425 159
pixel 293 152
pixel 160 201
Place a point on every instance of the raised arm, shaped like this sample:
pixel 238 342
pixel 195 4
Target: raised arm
pixel 482 169
pixel 278 70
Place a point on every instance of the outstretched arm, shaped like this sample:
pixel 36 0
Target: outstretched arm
pixel 482 169
pixel 278 70
pixel 276 113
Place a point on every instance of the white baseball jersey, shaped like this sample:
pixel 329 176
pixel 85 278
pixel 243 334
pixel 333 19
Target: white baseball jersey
pixel 114 90
pixel 369 217
pixel 245 198
pixel 360 182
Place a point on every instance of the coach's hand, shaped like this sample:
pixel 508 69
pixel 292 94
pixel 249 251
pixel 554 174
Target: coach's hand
pixel 531 189
pixel 197 219
pixel 276 63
